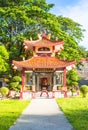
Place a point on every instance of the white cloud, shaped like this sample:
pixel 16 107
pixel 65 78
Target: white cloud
pixel 79 14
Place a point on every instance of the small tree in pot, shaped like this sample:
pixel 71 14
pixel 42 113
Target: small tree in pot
pixel 72 80
pixel 84 90
pixel 15 84
pixel 4 91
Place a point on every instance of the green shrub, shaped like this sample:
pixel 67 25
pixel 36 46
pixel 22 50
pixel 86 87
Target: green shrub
pixel 59 87
pixel 84 90
pixel 4 91
pixel 19 86
pixel 28 87
pixel 15 86
pixel 12 85
pixel 16 79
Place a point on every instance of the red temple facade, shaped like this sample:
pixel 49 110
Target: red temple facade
pixel 43 67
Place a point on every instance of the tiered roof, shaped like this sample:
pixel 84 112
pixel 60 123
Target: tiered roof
pixel 43 62
pixel 44 41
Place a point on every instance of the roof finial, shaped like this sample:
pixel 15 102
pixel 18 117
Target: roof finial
pixel 30 38
pixel 44 33
pixel 56 38
pixel 49 36
pixel 39 36
pixel 64 58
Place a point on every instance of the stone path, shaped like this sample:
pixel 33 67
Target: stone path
pixel 42 114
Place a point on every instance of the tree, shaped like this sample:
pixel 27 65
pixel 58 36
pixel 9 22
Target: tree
pixel 4 57
pixel 72 80
pixel 73 31
pixel 22 19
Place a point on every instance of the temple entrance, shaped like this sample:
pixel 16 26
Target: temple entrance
pixel 44 81
pixel 37 81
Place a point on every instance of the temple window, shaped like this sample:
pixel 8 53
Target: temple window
pixel 44 49
pixel 28 80
pixel 58 78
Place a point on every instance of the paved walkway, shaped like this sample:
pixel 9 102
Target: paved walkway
pixel 42 114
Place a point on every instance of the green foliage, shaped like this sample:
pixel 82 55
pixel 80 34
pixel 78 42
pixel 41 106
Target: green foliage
pixel 16 79
pixel 73 34
pixel 42 3
pixel 72 78
pixel 4 91
pixel 22 19
pixel 3 52
pixel 84 90
pixel 28 87
pixel 73 29
pixel 19 86
pixel 15 84
pixel 10 110
pixel 4 56
pixel 59 87
pixel 14 53
pixel 76 111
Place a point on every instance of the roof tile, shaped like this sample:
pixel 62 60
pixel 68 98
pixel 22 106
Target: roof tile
pixel 43 62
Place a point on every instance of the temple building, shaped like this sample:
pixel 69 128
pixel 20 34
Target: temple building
pixel 43 67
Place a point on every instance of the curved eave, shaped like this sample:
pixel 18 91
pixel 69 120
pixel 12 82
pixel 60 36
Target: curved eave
pixel 43 62
pixel 43 42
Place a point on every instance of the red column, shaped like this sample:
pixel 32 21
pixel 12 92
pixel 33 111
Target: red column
pixel 23 84
pixel 65 91
pixel 23 79
pixel 64 77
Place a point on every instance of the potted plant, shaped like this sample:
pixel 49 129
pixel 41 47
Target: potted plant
pixel 84 90
pixel 4 91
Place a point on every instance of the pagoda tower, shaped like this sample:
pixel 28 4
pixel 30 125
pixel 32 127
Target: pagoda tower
pixel 43 65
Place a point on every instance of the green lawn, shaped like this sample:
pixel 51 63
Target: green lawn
pixel 10 110
pixel 76 110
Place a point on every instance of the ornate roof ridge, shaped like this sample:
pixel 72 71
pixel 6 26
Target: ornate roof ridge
pixel 36 42
pixel 45 37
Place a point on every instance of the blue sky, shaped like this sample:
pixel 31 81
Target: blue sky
pixel 75 9
pixel 63 2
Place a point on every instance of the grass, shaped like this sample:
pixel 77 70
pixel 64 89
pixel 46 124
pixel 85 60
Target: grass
pixel 10 110
pixel 76 111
